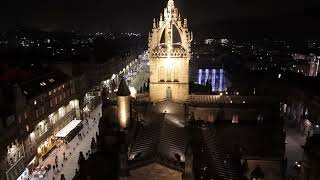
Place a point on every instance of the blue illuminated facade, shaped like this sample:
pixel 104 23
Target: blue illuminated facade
pixel 215 76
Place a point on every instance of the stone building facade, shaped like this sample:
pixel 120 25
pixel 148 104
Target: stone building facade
pixel 39 108
pixel 169 60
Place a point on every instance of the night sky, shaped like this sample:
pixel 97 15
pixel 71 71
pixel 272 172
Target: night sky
pixel 137 15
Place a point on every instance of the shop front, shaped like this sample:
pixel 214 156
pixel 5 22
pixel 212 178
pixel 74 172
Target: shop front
pixel 30 167
pixel 47 147
pixel 69 131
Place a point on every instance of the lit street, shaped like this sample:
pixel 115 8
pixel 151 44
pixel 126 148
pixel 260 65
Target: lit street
pixel 294 150
pixel 163 90
pixel 72 153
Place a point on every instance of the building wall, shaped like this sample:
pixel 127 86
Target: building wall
pixel 231 113
pixel 169 78
pixel 39 117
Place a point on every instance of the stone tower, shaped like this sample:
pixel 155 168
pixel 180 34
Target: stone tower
pixel 169 60
pixel 123 104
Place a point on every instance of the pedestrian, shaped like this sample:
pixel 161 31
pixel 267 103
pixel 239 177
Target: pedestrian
pixel 53 168
pixel 62 165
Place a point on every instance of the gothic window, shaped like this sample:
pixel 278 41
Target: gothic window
pixel 260 118
pixel 235 118
pixel 161 74
pixel 169 92
pixel 176 72
pixel 168 74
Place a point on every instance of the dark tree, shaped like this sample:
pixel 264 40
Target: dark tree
pixel 208 84
pixel 148 84
pixel 144 87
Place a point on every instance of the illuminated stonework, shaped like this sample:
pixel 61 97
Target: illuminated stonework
pixel 169 60
pixel 123 110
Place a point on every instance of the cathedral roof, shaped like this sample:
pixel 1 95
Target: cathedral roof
pixel 123 89
pixel 159 139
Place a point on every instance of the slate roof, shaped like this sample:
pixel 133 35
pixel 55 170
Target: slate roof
pixel 257 141
pixel 43 83
pixel 123 89
pixel 159 141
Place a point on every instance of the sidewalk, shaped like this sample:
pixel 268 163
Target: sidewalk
pixel 294 150
pixel 72 153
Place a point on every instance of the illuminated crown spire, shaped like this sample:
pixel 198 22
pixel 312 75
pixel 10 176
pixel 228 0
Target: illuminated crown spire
pixel 170 5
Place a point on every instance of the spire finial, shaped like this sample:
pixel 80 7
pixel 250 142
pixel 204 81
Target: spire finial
pixel 170 5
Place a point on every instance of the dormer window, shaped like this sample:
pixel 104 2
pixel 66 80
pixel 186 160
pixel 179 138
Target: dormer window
pixel 51 80
pixel 43 84
pixel 235 118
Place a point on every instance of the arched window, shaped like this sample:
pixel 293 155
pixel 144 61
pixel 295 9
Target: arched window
pixel 161 73
pixel 168 73
pixel 176 72
pixel 169 92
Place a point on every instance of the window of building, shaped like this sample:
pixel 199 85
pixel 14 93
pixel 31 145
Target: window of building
pixel 25 115
pixel 260 118
pixel 64 94
pixel 51 103
pixel 42 110
pixel 51 80
pixel 49 93
pixel 56 100
pixel 176 71
pixel 35 102
pixel 37 113
pixel 54 90
pixel 235 118
pixel 43 84
pixel 63 86
pixel 27 128
pixel 60 97
pixel 168 74
pixel 19 118
pixel 161 74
